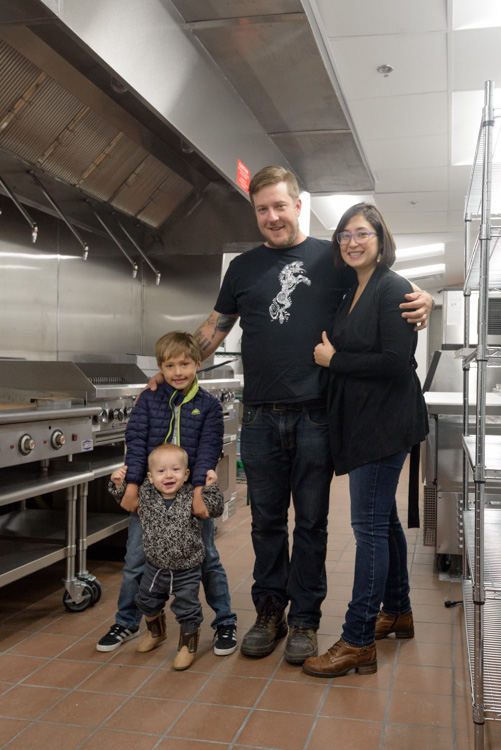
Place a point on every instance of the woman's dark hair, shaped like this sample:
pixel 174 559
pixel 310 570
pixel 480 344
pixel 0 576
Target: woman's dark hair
pixel 374 217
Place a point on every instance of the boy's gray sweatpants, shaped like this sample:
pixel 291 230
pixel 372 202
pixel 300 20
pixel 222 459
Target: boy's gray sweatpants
pixel 181 586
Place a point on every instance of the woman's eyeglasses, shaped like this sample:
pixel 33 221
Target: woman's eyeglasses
pixel 360 237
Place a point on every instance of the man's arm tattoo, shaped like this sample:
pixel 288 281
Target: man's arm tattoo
pixel 225 323
pixel 221 323
pixel 202 340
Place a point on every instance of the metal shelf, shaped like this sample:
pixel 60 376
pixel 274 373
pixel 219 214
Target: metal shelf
pixel 492 548
pixel 492 455
pixel 472 279
pixel 469 355
pixel 491 650
pixel 22 483
pixel 102 525
pixel 19 559
pixel 473 206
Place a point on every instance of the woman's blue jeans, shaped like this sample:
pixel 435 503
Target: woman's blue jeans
pixel 381 556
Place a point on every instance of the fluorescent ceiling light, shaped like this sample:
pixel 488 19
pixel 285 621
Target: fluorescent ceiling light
pixel 466 116
pixel 425 251
pixel 420 271
pixel 481 14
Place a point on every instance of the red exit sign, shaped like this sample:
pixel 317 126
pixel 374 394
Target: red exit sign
pixel 243 176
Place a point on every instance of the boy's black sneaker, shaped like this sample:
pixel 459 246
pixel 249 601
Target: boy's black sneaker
pixel 115 636
pixel 225 640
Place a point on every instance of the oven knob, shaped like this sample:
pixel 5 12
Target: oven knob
pixel 26 444
pixel 103 417
pixel 57 440
pixel 118 414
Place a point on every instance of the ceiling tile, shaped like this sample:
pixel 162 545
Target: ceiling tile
pixel 393 116
pixel 430 221
pixel 412 202
pixel 407 180
pixel 459 177
pixel 476 58
pixel 428 151
pixel 360 18
pixel 419 62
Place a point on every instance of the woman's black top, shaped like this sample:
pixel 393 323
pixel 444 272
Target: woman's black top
pixel 376 407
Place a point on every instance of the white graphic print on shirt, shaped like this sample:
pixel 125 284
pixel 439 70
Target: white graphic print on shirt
pixel 290 276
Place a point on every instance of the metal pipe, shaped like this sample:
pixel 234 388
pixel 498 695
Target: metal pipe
pixel 53 203
pixel 34 227
pixel 131 239
pixel 115 240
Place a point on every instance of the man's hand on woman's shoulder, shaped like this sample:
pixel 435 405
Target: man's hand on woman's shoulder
pixel 417 308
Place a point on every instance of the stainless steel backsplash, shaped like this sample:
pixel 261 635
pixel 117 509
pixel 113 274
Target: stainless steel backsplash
pixel 55 305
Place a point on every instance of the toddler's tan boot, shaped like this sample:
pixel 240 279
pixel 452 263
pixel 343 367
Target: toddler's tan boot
pixel 156 633
pixel 186 650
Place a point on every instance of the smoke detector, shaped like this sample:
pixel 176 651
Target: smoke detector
pixel 385 70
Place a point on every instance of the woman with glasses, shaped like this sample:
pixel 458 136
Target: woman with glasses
pixel 376 414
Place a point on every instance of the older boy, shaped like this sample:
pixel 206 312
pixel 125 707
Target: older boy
pixel 178 412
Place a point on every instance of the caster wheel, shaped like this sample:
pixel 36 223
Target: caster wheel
pixel 97 590
pixel 73 606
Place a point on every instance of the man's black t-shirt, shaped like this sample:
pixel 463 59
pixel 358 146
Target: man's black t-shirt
pixel 285 298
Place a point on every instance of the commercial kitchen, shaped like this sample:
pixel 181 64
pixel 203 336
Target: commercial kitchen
pixel 128 134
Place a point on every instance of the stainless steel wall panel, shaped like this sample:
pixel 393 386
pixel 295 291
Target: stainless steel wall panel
pixel 185 297
pixel 29 284
pixel 54 305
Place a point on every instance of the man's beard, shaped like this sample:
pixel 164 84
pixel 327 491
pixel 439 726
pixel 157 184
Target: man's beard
pixel 291 238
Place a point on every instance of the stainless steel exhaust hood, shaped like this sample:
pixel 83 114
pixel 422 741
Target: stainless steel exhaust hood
pixel 146 105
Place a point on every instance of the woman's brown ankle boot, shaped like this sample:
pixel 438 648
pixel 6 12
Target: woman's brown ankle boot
pixel 186 650
pixel 157 632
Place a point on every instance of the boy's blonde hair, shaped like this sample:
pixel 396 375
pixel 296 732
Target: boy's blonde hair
pixel 170 448
pixel 175 343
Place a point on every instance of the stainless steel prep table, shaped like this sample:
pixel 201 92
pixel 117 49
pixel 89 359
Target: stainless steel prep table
pixel 443 470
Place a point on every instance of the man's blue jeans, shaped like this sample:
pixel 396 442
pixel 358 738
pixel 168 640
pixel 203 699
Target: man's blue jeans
pixel 381 557
pixel 214 578
pixel 284 451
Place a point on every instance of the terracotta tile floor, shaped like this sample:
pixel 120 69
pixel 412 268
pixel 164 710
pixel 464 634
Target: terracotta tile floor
pixel 57 691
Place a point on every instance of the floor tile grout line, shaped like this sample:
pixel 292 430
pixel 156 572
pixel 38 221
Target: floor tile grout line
pixel 72 690
pixel 274 677
pixel 390 695
pixel 124 702
pixel 253 708
pixel 318 714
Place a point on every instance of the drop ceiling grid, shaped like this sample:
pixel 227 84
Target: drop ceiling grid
pixel 366 18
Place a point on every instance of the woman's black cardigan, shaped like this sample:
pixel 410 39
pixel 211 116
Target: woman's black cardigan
pixel 376 407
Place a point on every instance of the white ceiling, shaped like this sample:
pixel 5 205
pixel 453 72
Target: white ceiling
pixel 405 121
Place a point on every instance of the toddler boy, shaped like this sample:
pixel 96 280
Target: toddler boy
pixel 173 547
